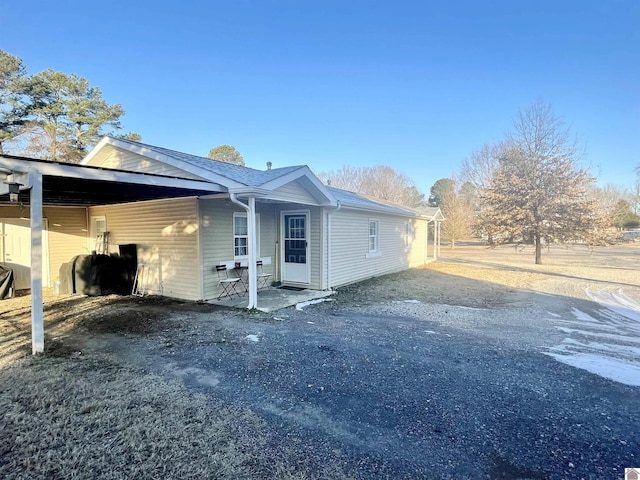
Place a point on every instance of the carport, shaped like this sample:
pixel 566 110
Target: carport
pixel 48 183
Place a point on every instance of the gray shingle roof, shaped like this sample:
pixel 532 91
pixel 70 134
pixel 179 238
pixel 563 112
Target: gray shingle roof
pixel 352 199
pixel 245 175
pixel 255 178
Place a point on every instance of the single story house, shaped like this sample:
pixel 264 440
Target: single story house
pixel 184 215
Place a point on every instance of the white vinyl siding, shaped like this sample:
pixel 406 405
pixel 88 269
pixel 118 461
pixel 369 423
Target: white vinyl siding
pixel 295 193
pixel 315 247
pixel 166 235
pixel 217 239
pixel 351 259
pixel 123 160
pixel 67 233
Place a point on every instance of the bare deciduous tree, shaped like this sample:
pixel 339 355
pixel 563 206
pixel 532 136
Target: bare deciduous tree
pixel 457 205
pixel 380 182
pixel 479 168
pixel 537 192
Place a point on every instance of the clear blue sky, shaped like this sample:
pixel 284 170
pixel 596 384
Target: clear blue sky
pixel 415 85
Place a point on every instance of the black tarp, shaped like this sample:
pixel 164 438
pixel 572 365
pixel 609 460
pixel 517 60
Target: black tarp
pixel 98 275
pixel 6 283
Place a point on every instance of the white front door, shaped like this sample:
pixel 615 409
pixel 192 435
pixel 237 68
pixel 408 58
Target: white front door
pixel 16 251
pixel 295 247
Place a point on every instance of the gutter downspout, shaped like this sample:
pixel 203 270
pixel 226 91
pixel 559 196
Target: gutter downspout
pixel 329 241
pixel 251 238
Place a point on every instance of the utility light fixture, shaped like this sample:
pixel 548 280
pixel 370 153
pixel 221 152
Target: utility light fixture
pixel 14 188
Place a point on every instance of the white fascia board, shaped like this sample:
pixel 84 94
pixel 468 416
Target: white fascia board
pixel 245 191
pixel 306 172
pixel 382 210
pixel 104 174
pixel 438 215
pixel 175 162
pixel 94 151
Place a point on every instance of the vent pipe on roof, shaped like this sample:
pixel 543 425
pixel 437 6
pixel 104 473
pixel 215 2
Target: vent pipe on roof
pixel 269 165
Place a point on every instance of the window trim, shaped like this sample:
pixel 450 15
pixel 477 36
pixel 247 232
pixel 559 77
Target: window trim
pixel 93 229
pixel 375 252
pixel 234 236
pixel 408 235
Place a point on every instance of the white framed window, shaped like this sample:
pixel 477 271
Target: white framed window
pixel 408 235
pixel 98 226
pixel 374 236
pixel 241 235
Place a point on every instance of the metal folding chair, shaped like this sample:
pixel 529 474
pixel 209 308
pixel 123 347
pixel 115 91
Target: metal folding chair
pixel 263 278
pixel 229 284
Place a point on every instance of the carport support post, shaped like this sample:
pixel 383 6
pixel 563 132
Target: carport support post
pixel 37 315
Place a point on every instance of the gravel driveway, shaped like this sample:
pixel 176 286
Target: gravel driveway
pixel 407 397
pixel 428 373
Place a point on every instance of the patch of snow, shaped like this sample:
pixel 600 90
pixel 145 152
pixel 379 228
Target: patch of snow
pixel 613 332
pixel 555 315
pixel 604 328
pixel 618 302
pixel 252 338
pixel 300 306
pixel 408 301
pixel 583 317
pixel 622 371
pixel 430 332
pixel 621 337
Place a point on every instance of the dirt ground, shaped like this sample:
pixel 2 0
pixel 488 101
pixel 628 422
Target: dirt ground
pixel 115 365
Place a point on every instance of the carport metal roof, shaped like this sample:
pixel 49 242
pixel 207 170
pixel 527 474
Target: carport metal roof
pixel 53 183
pixel 80 185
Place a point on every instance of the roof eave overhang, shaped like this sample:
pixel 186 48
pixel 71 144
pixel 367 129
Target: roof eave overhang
pixel 161 157
pixel 399 213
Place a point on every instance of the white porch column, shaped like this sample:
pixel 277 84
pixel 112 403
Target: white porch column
pixel 37 315
pixel 252 240
pixel 426 244
pixel 250 208
pixel 435 238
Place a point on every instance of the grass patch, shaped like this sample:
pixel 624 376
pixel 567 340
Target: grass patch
pixel 89 417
